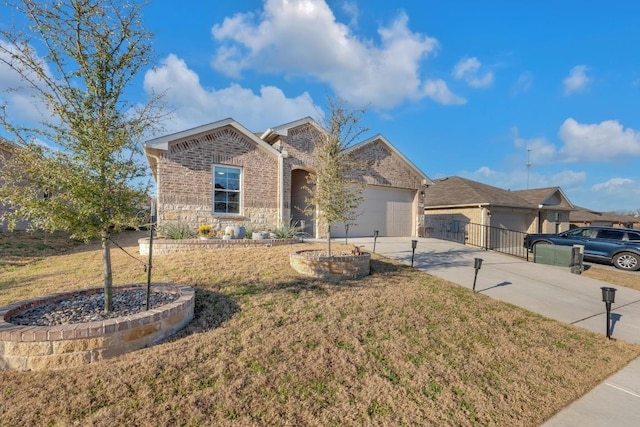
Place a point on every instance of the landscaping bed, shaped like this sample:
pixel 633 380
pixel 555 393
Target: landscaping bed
pixel 269 347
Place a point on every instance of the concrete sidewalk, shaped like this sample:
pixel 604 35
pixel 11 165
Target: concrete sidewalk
pixel 551 292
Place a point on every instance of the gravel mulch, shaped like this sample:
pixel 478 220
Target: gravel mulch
pixel 85 308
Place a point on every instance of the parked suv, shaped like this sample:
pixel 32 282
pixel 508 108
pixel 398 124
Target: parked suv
pixel 618 246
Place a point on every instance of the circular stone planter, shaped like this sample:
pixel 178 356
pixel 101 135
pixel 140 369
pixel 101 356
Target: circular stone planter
pixel 37 348
pixel 315 264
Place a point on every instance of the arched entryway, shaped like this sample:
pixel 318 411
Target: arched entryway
pixel 298 201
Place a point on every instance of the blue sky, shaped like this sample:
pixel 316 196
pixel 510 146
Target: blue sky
pixel 470 88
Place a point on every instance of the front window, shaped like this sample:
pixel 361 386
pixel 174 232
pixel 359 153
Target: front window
pixel 610 234
pixel 581 232
pixel 226 193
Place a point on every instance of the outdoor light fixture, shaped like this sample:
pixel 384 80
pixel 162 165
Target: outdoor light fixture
pixel 346 233
pixel 477 264
pixel 414 244
pixel 609 297
pixel 375 237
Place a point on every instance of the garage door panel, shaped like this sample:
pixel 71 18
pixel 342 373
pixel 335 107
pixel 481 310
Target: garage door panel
pixel 388 210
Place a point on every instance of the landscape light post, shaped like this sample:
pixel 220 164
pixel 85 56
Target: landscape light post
pixel 414 244
pixel 147 267
pixel 477 265
pixel 375 237
pixel 609 297
pixel 346 233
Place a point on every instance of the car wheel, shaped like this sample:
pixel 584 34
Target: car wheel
pixel 627 261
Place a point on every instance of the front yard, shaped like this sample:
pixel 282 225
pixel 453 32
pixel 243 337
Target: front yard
pixel 268 347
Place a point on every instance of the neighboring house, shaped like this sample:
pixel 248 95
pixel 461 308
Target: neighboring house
pixel 222 173
pixel 585 217
pixel 6 149
pixel 544 210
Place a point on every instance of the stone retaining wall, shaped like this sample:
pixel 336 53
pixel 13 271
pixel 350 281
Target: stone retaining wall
pixel 37 348
pixel 170 246
pixel 311 263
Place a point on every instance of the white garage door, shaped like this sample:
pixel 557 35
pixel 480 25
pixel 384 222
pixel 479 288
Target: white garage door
pixel 509 221
pixel 388 210
pixel 500 234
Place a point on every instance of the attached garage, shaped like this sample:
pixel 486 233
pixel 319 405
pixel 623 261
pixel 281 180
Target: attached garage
pixel 388 210
pixel 511 220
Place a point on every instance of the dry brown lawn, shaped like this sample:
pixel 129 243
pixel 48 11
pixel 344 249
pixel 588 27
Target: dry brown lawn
pixel 628 279
pixel 270 348
pixel 21 247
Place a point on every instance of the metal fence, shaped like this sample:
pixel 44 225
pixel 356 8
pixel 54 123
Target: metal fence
pixel 497 239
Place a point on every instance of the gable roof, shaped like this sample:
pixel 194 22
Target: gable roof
pixel 458 191
pixel 283 130
pixel 544 196
pixel 379 138
pixel 581 214
pixel 160 144
pixel 7 145
pixel 271 134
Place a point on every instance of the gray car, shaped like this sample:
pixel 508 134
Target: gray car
pixel 618 246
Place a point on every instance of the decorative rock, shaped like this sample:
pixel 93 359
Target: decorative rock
pixel 84 308
pixel 92 336
pixel 239 231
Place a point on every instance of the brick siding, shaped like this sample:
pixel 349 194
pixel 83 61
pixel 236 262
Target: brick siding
pixel 185 180
pixel 184 175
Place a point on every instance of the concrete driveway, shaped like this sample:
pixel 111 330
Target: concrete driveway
pixel 551 292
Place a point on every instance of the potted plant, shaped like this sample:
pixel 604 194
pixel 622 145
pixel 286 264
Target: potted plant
pixel 239 231
pixel 204 231
pixel 228 233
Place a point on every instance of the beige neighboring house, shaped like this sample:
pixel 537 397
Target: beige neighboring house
pixel 222 173
pixel 543 210
pixel 584 217
pixel 6 149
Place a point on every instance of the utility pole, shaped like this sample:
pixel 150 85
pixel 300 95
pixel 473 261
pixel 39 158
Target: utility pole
pixel 528 164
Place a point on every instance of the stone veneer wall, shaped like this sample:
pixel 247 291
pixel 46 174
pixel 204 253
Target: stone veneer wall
pixel 168 246
pixel 37 348
pixel 382 167
pixel 185 181
pixel 314 264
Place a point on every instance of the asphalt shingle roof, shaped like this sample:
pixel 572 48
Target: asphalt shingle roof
pixel 457 191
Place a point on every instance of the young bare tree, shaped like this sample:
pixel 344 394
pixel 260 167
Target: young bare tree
pixel 74 170
pixel 335 192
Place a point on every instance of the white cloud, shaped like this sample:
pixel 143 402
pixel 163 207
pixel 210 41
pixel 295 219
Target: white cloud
pixel 17 93
pixel 617 185
pixel 577 81
pixel 351 9
pixel 438 91
pixel 540 152
pixel 194 105
pixel 565 179
pixel 511 180
pixel 303 38
pixel 602 142
pixel 616 194
pixel 522 84
pixel 468 71
pixel 518 179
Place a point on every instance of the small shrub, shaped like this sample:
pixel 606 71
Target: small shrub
pixel 287 231
pixel 176 231
pixel 249 233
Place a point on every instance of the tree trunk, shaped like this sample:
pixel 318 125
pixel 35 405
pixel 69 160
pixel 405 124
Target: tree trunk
pixel 108 278
pixel 329 240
